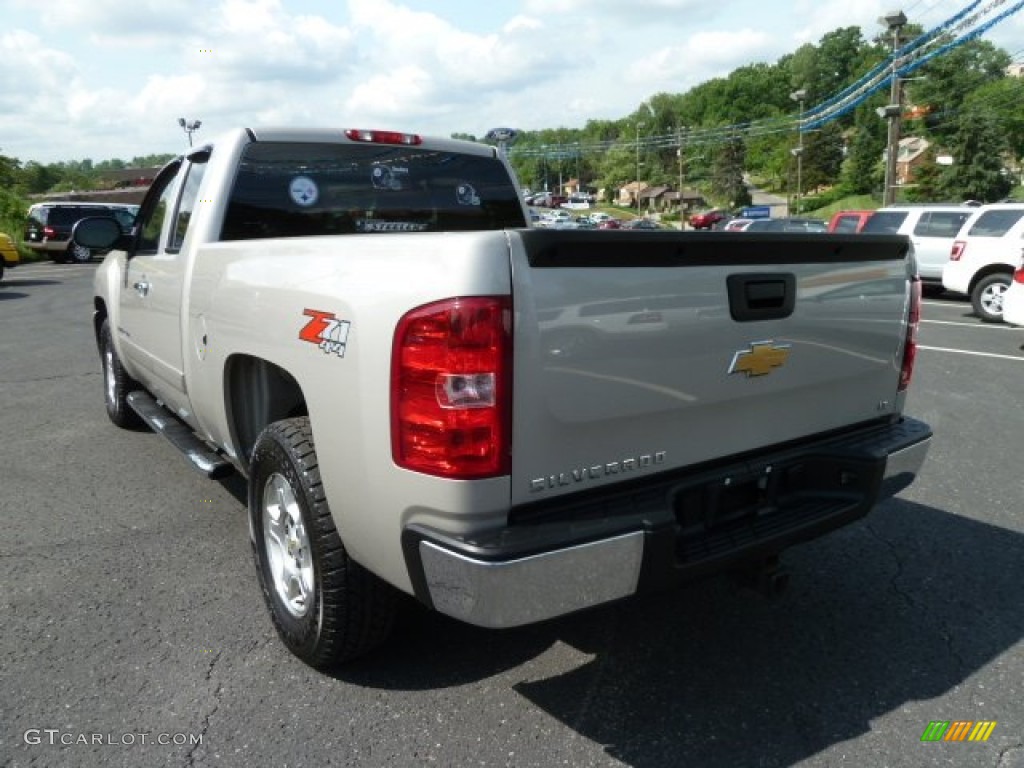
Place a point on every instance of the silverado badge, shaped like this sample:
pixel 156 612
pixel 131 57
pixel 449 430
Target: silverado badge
pixel 760 359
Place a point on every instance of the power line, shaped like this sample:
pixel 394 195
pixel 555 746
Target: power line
pixel 963 26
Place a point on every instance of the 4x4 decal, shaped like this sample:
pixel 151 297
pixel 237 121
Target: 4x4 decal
pixel 326 331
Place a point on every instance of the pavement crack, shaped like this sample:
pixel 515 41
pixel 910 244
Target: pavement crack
pixel 907 597
pixel 1006 757
pixel 190 758
pixel 894 582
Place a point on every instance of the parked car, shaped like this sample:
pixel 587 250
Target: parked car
pixel 48 227
pixel 641 224
pixel 610 224
pixel 848 221
pixel 984 255
pixel 707 219
pixel 737 225
pixel 8 253
pixel 932 228
pixel 791 224
pixel 1013 299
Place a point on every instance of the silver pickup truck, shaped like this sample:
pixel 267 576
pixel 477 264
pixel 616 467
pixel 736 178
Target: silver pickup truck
pixel 429 397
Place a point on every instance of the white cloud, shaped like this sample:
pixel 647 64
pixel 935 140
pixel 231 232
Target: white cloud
pixel 109 78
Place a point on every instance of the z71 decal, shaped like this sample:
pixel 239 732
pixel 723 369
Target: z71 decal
pixel 326 331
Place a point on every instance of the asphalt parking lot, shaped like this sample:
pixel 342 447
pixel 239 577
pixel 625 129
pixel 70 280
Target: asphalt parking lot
pixel 133 622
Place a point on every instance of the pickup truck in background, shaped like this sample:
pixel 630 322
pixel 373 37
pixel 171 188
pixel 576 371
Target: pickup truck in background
pixel 427 396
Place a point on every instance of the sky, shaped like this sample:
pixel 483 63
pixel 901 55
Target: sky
pixel 105 79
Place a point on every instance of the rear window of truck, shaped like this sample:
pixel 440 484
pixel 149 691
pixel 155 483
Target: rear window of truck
pixel 301 189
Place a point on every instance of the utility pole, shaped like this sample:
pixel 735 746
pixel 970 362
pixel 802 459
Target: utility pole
pixel 679 154
pixel 798 151
pixel 894 20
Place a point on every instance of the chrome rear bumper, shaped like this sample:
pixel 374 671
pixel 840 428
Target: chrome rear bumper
pixel 530 572
pixel 530 589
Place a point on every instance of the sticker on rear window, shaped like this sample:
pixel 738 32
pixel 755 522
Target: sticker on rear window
pixel 303 191
pixel 466 195
pixel 387 176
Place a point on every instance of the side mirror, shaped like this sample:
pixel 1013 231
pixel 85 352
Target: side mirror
pixel 100 233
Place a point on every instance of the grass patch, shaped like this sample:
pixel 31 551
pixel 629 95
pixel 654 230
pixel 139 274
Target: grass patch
pixel 850 203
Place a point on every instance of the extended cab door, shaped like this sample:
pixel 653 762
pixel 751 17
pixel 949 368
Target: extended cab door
pixel 151 297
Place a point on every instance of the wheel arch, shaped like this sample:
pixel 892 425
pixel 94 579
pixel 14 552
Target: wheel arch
pixel 989 269
pixel 257 393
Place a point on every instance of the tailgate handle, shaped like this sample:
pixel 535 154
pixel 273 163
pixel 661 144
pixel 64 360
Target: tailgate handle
pixel 766 296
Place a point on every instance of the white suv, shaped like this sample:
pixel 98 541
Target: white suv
pixel 1013 299
pixel 931 228
pixel 984 255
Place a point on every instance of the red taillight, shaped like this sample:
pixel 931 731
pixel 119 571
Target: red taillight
pixel 910 342
pixel 957 250
pixel 1018 276
pixel 49 232
pixel 451 373
pixel 383 137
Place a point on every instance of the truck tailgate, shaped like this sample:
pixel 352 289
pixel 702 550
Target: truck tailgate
pixel 637 353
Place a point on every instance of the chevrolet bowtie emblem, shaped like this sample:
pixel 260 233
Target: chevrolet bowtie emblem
pixel 760 359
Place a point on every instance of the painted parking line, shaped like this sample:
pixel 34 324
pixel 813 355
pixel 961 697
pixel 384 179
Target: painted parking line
pixel 1017 358
pixel 991 326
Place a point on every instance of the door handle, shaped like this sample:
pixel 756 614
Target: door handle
pixel 142 288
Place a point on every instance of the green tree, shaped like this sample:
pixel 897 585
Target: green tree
pixel 1001 100
pixel 822 156
pixel 727 183
pixel 978 171
pixel 862 171
pixel 947 82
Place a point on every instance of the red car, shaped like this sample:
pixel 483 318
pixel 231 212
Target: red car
pixel 707 219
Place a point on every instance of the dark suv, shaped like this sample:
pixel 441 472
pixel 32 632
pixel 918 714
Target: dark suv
pixel 48 227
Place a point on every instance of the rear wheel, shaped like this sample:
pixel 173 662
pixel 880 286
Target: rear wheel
pixel 79 254
pixel 987 297
pixel 326 607
pixel 116 384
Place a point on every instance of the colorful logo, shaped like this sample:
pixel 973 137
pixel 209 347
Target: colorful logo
pixel 958 730
pixel 326 331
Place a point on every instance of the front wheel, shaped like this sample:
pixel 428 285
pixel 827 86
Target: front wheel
pixel 326 607
pixel 987 297
pixel 116 384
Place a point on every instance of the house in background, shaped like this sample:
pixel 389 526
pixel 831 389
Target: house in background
pixel 628 193
pixel 912 153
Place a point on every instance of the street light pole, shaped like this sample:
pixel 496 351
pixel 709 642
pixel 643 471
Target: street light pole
pixel 189 127
pixel 799 96
pixel 894 20
pixel 639 125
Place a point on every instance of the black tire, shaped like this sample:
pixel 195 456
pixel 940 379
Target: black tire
pixel 987 296
pixel 325 607
pixel 78 254
pixel 116 384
